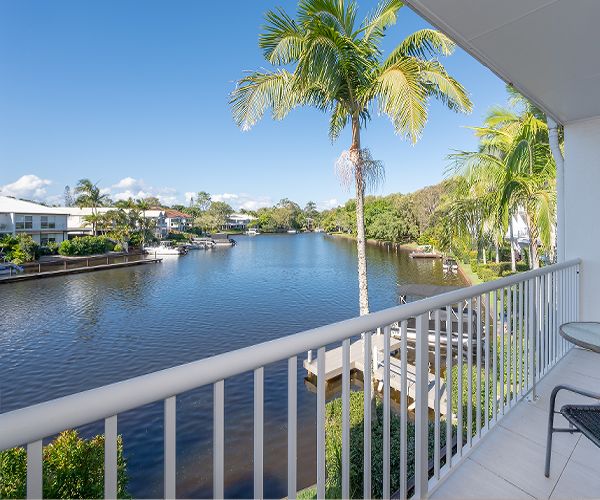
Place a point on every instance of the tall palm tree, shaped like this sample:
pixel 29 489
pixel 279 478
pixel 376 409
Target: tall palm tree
pixel 339 68
pixel 89 195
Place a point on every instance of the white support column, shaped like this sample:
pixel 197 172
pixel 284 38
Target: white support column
pixel 581 181
pixel 560 189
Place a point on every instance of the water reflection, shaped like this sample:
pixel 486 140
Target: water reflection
pixel 66 334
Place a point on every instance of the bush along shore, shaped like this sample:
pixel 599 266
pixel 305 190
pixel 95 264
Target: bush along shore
pixel 72 467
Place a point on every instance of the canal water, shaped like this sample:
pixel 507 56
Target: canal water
pixel 67 334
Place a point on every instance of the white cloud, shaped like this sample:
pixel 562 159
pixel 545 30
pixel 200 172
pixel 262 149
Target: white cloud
pixel 27 186
pixel 327 204
pixel 129 187
pixel 128 183
pixel 243 200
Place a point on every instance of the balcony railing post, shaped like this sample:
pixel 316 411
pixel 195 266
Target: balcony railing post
pixel 421 407
pixel 532 344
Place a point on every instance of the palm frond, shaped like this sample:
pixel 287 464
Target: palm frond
pixel 402 97
pixel 425 44
pixel 260 91
pixel 385 15
pixel 444 88
pixel 281 39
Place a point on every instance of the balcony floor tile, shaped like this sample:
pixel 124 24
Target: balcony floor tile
pixel 475 481
pixel 509 462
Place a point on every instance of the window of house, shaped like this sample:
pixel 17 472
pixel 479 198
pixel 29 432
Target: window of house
pixel 23 222
pixel 45 239
pixel 48 222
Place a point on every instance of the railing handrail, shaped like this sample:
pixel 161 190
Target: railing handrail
pixel 35 422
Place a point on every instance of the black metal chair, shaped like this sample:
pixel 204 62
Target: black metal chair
pixel 581 418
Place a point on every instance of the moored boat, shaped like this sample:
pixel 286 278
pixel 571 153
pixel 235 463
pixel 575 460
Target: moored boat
pixel 425 252
pixel 166 248
pixel 450 265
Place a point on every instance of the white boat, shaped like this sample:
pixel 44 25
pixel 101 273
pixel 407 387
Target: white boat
pixel 292 231
pixel 252 231
pixel 8 269
pixel 165 248
pixel 450 265
pixel 202 243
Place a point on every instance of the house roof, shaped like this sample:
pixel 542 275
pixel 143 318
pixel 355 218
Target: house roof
pixel 170 213
pixel 8 204
pixel 547 49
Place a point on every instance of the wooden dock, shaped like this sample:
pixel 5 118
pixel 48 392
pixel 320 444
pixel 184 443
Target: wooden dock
pixel 333 368
pixel 76 270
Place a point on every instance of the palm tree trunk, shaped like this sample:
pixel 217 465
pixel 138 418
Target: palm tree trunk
pixel 497 252
pixel 363 289
pixel 513 257
pixel 534 261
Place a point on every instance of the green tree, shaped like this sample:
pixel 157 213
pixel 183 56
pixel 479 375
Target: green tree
pixel 337 67
pixel 512 170
pixel 203 200
pixel 89 195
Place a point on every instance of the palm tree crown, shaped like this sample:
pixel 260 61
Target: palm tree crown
pixel 324 58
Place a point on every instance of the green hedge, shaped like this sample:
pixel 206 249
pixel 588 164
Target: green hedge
pixel 509 380
pixel 86 245
pixel 333 449
pixel 72 468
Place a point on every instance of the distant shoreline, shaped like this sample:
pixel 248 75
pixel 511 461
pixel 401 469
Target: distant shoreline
pixel 371 241
pixel 469 278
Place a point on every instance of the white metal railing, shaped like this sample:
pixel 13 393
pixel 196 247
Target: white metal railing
pixel 505 330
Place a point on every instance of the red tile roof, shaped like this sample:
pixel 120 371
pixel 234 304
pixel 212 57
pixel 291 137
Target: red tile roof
pixel 170 213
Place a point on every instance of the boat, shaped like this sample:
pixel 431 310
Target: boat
pixel 166 248
pixel 450 265
pixel 292 231
pixel 8 269
pixel 202 243
pixel 222 239
pixel 252 231
pixel 425 252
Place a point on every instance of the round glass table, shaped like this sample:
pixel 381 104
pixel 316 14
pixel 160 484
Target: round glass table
pixel 585 334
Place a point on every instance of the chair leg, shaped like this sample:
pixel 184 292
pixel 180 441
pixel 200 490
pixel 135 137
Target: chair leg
pixel 549 442
pixel 550 431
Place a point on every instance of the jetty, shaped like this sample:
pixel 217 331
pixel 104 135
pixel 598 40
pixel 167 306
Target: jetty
pixel 75 270
pixel 333 368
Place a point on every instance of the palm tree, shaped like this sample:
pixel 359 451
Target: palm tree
pixel 89 195
pixel 144 223
pixel 339 68
pixel 514 163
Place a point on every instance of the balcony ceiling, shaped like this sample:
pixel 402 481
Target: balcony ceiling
pixel 548 49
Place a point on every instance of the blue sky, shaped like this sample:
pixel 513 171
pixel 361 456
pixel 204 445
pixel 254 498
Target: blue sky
pixel 134 94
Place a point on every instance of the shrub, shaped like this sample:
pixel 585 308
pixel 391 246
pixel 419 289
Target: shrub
pixel 333 448
pixel 19 249
pixel 86 245
pixel 509 378
pixel 72 468
pixel 118 247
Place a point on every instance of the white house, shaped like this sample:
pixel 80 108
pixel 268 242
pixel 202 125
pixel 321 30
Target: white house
pixel 177 221
pixel 239 221
pixel 44 224
pixel 78 226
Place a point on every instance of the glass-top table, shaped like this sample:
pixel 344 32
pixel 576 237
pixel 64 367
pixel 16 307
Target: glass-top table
pixel 585 334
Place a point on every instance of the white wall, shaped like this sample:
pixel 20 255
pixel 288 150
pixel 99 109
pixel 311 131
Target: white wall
pixel 582 209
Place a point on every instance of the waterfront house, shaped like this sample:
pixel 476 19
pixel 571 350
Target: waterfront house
pixel 547 49
pixel 238 221
pixel 44 224
pixel 78 226
pixel 177 221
